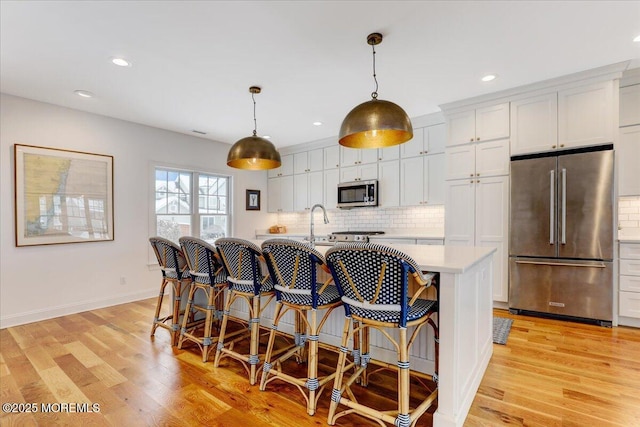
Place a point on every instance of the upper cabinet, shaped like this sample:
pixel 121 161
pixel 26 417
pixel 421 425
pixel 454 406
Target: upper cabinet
pixel 534 124
pixel 427 140
pixel 480 124
pixel 630 105
pixel 286 168
pixel 331 157
pixel 308 161
pixel 586 115
pixel 355 156
pixel 628 155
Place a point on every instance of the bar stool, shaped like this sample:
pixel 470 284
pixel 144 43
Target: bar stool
pixel 374 283
pixel 174 271
pixel 292 265
pixel 209 281
pixel 241 260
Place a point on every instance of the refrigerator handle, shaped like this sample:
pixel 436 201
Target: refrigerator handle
pixel 552 202
pixel 564 206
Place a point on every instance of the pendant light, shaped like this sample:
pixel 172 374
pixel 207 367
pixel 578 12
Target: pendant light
pixel 253 152
pixel 376 123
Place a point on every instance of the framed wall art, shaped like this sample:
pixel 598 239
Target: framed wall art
pixel 62 196
pixel 253 200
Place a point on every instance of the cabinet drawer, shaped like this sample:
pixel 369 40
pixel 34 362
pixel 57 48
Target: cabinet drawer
pixel 630 304
pixel 630 267
pixel 630 283
pixel 630 250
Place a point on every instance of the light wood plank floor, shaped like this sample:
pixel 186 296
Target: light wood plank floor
pixel 550 373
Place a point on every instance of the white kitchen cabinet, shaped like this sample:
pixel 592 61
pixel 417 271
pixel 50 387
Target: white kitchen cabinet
pixel 629 294
pixel 389 184
pixel 477 214
pixel 357 156
pixel 308 161
pixel 359 173
pixel 629 105
pixel 586 115
pixel 280 194
pixel 480 124
pixel 422 180
pixel 331 179
pixel 478 159
pixel 427 140
pixel 534 124
pixel 331 157
pixel 628 155
pixel 286 167
pixel 307 190
pixel 389 153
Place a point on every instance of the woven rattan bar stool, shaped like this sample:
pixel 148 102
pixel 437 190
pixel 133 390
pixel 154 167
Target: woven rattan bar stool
pixel 209 282
pixel 293 267
pixel 175 272
pixel 242 263
pixel 373 281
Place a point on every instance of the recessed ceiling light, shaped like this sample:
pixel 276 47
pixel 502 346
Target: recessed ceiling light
pixel 121 62
pixel 489 77
pixel 84 93
pixel 266 136
pixel 317 123
pixel 637 39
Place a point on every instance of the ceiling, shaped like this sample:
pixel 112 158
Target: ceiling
pixel 193 61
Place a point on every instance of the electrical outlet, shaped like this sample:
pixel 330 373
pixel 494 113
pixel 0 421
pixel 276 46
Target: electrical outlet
pixel 123 281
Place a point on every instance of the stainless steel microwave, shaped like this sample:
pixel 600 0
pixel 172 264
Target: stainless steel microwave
pixel 358 193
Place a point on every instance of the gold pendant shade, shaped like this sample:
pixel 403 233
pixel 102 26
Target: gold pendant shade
pixel 375 124
pixel 253 153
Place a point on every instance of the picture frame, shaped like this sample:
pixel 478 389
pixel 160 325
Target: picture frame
pixel 253 200
pixel 62 196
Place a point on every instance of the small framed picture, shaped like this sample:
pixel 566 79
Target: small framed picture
pixel 253 200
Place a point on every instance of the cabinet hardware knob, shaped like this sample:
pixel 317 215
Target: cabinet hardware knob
pixel 471 175
pixel 561 145
pixel 553 146
pixel 472 181
pixel 337 166
pixel 426 151
pixel 379 158
pixel 477 174
pixel 478 181
pixel 478 139
pixel 471 140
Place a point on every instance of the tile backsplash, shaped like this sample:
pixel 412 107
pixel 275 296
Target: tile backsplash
pixel 629 216
pixel 418 217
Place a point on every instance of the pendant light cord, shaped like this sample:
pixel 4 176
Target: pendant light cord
pixel 255 122
pixel 374 95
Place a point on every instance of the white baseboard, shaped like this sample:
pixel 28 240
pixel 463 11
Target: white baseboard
pixel 73 308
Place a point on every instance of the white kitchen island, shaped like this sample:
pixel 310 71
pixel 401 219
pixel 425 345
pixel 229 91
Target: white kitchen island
pixel 465 324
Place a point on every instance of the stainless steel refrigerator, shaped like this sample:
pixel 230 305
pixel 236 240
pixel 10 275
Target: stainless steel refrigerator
pixel 561 234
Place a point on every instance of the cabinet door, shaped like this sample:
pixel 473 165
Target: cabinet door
pixel 300 163
pixel 286 168
pixel 492 158
pixel 389 153
pixel 286 193
pixel 460 161
pixel 492 226
pixel 411 181
pixel 628 155
pixel 315 160
pixel 368 155
pixel 272 173
pixel 492 122
pixel 369 171
pixel 332 157
pixel 434 167
pixel 389 183
pixel 349 156
pixel 349 174
pixel 534 124
pixel 459 212
pixel 331 179
pixel 301 192
pixel 585 115
pixel 461 128
pixel 415 146
pixel 273 195
pixel 316 194
pixel 435 139
pixel 630 105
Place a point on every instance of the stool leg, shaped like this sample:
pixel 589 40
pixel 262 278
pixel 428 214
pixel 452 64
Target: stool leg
pixel 177 294
pixel 156 317
pixel 337 383
pixel 187 314
pixel 267 356
pixel 223 327
pixel 312 364
pixel 403 379
pixel 255 339
pixel 208 323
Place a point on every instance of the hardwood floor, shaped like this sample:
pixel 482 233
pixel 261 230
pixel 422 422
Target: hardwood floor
pixel 550 373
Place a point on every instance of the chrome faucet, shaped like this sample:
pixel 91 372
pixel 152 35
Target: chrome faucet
pixel 312 237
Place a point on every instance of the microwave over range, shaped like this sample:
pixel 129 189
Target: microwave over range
pixel 358 193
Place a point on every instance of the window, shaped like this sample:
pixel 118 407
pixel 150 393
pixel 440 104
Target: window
pixel 185 209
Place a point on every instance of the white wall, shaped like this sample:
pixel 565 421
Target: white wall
pixel 40 282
